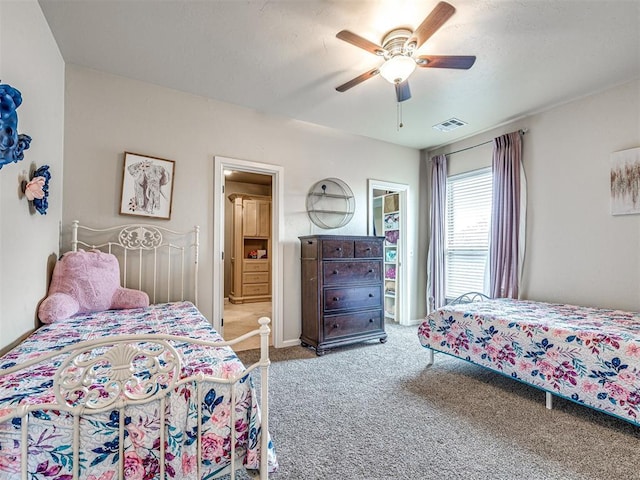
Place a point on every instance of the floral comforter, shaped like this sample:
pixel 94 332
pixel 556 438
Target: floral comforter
pixel 589 355
pixel 50 431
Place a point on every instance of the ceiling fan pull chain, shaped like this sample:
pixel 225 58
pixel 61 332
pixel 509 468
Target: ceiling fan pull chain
pixel 399 123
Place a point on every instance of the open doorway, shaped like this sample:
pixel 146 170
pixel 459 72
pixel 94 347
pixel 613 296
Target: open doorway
pixel 388 218
pixel 247 262
pixel 247 232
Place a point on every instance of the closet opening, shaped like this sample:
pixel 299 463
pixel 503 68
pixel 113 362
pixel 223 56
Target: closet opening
pixel 388 219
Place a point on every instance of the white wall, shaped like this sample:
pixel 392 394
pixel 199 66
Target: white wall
pixel 31 62
pixel 576 251
pixel 107 115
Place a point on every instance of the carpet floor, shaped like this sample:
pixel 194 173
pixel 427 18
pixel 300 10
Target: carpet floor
pixel 375 411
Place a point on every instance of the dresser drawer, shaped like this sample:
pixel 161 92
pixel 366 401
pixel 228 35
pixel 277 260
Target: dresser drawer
pixel 355 323
pixel 352 298
pixel 309 248
pixel 255 266
pixel 367 249
pixel 337 249
pixel 260 277
pixel 334 273
pixel 255 289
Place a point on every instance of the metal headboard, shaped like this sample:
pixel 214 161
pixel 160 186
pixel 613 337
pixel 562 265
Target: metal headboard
pixel 167 260
pixel 469 297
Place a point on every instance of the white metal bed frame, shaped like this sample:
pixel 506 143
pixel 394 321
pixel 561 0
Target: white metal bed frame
pixel 127 356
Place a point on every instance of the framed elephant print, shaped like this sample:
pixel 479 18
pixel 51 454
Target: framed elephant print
pixel 147 186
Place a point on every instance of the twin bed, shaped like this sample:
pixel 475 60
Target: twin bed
pixel 142 393
pixel 155 393
pixel 588 355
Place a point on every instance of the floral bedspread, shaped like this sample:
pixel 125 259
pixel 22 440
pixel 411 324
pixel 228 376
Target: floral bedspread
pixel 588 355
pixel 50 431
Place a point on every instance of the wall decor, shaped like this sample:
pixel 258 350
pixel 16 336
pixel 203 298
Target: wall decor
pixel 12 144
pixel 330 203
pixel 36 189
pixel 147 186
pixel 625 182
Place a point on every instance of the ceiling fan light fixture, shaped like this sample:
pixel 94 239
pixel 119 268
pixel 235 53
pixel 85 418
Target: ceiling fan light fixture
pixel 397 69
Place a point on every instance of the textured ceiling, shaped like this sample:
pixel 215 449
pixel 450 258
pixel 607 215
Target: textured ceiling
pixel 282 57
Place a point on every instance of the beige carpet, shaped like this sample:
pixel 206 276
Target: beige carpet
pixel 376 412
pixel 242 318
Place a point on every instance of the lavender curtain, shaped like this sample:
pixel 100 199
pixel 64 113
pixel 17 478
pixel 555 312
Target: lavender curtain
pixel 506 250
pixel 435 258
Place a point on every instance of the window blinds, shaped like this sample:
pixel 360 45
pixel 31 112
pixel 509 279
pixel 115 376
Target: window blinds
pixel 467 232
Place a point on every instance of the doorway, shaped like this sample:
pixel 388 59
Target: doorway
pixel 241 297
pixel 388 216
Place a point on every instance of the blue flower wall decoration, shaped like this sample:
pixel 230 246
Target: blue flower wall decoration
pixel 12 144
pixel 40 202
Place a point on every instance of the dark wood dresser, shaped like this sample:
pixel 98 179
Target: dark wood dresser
pixel 342 290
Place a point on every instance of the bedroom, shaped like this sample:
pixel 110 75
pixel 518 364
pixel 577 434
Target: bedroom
pixel 83 120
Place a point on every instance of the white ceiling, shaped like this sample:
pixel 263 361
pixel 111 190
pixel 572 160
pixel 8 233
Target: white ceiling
pixel 282 57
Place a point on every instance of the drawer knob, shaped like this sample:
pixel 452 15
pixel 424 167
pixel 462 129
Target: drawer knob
pixel 339 249
pixel 310 242
pixel 335 272
pixel 335 325
pixel 368 249
pixel 371 270
pixel 371 320
pixel 335 299
pixel 370 295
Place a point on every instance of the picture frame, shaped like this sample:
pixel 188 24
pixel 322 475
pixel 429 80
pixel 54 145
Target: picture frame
pixel 625 182
pixel 147 186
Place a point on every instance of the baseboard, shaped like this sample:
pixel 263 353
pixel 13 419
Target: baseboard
pixel 290 343
pixel 413 322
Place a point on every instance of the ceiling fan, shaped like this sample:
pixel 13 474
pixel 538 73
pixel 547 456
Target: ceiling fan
pixel 398 49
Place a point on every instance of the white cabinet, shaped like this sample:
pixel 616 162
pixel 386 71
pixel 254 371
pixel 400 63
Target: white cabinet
pixel 251 259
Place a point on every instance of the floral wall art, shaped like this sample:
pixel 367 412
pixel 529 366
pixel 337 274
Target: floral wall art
pixel 36 190
pixel 147 186
pixel 625 182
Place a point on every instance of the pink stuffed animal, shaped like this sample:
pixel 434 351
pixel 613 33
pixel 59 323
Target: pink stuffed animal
pixel 86 282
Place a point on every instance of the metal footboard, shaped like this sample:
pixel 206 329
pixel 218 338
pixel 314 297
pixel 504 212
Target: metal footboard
pixel 112 373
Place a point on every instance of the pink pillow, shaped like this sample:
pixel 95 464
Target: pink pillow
pixel 86 282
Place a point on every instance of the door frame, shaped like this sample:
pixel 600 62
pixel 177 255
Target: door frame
pixel 403 259
pixel 277 232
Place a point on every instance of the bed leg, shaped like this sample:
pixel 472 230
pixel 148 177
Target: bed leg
pixel 549 399
pixel 429 357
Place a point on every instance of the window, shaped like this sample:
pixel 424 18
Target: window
pixel 467 232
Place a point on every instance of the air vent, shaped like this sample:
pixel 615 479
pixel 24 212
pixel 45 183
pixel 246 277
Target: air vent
pixel 449 125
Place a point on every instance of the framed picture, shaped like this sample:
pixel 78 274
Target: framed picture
pixel 625 182
pixel 147 186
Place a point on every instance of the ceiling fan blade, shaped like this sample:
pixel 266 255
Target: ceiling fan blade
pixel 360 42
pixel 438 16
pixel 359 79
pixel 463 62
pixel 402 91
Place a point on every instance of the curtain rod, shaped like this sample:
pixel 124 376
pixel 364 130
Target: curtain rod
pixel 522 131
